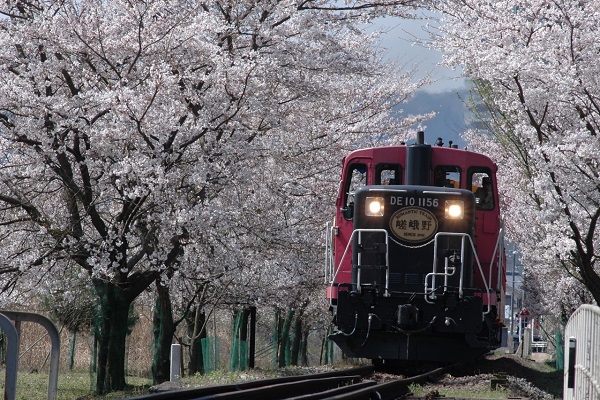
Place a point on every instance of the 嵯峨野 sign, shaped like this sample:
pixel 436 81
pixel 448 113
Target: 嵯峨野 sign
pixel 413 224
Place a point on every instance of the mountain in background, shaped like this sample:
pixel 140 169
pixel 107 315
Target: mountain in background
pixel 452 115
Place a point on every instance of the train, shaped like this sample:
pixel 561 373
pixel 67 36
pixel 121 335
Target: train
pixel 415 263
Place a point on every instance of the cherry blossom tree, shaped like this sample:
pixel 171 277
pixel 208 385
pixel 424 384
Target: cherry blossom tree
pixel 535 64
pixel 143 140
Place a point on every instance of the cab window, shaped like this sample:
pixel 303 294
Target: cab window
pixel 447 176
pixel 480 183
pixel 355 178
pixel 388 174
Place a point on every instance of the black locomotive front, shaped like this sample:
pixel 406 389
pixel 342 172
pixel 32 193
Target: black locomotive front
pixel 411 296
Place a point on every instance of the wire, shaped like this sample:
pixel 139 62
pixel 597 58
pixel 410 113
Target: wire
pixel 406 332
pixel 353 329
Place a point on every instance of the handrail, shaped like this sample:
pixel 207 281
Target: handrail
pixel 328 251
pixel 337 270
pixel 502 259
pixel 499 242
pixel 430 294
pixel 433 274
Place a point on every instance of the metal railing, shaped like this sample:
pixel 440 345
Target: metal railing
pixel 331 273
pixel 10 324
pixel 466 240
pixel 582 354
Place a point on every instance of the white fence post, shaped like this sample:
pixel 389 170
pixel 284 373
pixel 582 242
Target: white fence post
pixel 582 354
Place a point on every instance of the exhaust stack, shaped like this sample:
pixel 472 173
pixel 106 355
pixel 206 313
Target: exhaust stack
pixel 418 162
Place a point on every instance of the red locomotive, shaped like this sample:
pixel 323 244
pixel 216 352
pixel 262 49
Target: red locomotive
pixel 415 255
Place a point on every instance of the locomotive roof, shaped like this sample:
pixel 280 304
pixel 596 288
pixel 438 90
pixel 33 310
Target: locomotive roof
pixel 440 155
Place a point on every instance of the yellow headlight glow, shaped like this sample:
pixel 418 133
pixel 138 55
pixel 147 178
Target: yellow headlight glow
pixel 455 209
pixel 374 206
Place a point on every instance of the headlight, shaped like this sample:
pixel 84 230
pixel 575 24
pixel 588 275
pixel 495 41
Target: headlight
pixel 374 206
pixel 455 209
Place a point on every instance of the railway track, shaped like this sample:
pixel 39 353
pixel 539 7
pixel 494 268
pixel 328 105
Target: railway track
pixel 350 384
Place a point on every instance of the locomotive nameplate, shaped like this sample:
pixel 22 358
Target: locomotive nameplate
pixel 413 224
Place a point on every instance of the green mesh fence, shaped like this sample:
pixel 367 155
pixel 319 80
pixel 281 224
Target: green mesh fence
pixel 238 360
pixel 285 339
pixel 239 355
pixel 560 352
pixel 327 349
pixel 210 354
pixel 288 352
pixel 2 349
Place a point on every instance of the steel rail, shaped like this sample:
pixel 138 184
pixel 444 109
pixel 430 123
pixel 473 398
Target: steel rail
pixel 389 390
pixel 285 390
pixel 334 392
pixel 240 390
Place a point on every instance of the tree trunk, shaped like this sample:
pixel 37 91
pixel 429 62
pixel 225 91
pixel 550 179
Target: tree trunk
pixel 285 337
pixel 297 340
pixel 72 346
pixel 197 332
pixel 304 348
pixel 164 330
pixel 326 356
pixel 276 335
pixel 112 328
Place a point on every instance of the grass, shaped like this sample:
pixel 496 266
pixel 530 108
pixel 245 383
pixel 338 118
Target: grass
pixel 548 378
pixel 75 385
pixel 78 385
pixel 463 392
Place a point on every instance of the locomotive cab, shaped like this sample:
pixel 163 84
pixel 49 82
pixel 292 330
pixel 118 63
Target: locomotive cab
pixel 408 283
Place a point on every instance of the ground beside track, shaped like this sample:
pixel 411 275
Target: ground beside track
pixel 532 378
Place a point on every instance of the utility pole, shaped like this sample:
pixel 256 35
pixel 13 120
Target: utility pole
pixel 512 294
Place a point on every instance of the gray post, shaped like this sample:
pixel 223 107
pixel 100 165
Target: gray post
pixel 175 362
pixel 512 297
pixel 526 342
